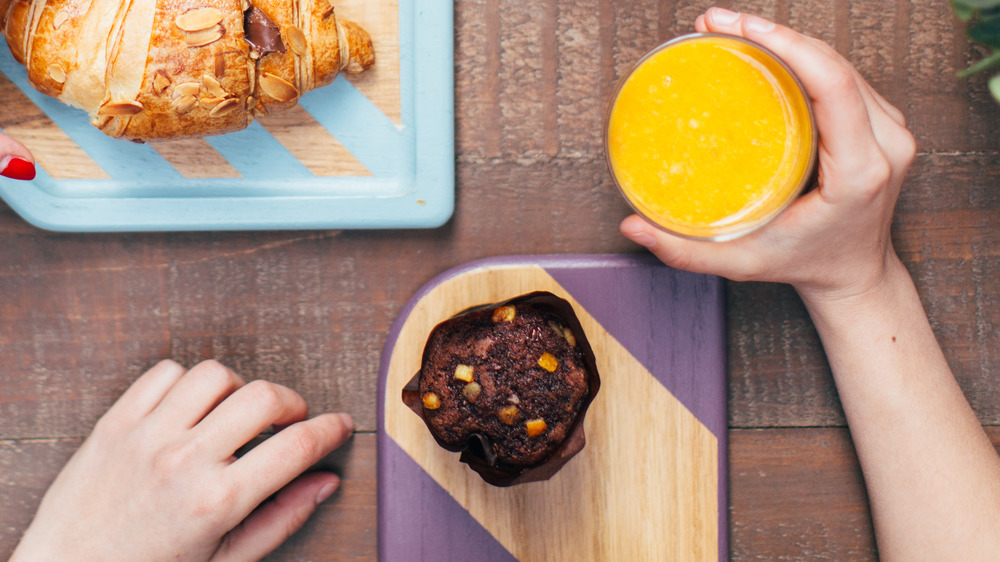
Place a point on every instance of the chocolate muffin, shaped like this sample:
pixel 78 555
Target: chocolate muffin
pixel 506 384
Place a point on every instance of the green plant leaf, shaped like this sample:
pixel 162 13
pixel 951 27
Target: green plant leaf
pixel 994 85
pixel 963 13
pixel 975 4
pixel 986 32
pixel 988 15
pixel 990 60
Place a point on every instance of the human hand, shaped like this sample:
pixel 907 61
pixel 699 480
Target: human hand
pixel 16 161
pixel 157 479
pixel 834 241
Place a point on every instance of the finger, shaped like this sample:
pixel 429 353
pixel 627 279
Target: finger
pixel 274 463
pixel 840 110
pixel 16 161
pixel 699 24
pixel 146 392
pixel 197 392
pixel 875 99
pixel 277 519
pixel 247 412
pixel 890 109
pixel 718 258
pixel 890 131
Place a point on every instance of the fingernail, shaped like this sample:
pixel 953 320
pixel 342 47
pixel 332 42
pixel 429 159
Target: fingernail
pixel 325 492
pixel 760 25
pixel 643 239
pixel 722 16
pixel 18 169
pixel 634 230
pixel 348 422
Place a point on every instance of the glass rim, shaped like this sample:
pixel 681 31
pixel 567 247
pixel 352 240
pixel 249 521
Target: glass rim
pixel 718 234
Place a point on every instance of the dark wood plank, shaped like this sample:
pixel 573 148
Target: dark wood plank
pixel 343 527
pixel 798 493
pixel 84 315
pixel 507 91
pixel 26 470
pixel 947 231
pixel 794 493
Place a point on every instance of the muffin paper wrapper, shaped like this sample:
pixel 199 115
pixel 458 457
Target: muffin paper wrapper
pixel 479 458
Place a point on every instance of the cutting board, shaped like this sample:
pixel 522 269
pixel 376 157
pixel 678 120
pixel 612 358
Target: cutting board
pixel 650 484
pixel 345 157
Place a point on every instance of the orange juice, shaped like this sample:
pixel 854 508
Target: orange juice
pixel 710 136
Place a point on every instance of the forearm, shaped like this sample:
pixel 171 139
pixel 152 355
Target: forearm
pixel 933 477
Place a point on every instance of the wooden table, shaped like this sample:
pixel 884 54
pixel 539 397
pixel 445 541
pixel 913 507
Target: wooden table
pixel 81 315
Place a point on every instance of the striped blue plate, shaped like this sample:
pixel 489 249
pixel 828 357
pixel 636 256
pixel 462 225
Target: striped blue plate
pixel 407 161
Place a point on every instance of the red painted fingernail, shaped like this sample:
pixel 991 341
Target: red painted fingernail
pixel 19 169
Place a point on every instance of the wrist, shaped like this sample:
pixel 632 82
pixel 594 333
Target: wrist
pixel 883 284
pixel 883 303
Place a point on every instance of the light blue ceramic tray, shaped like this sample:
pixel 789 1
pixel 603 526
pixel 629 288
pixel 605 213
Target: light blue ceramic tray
pixel 412 164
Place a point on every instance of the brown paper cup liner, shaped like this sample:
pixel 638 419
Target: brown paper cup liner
pixel 477 454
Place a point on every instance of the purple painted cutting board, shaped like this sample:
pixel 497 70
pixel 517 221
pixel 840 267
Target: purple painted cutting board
pixel 651 482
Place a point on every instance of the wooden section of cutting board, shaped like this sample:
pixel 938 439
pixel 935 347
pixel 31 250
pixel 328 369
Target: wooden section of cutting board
pixel 319 151
pixel 649 484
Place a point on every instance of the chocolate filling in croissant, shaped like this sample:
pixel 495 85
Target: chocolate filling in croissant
pixel 262 33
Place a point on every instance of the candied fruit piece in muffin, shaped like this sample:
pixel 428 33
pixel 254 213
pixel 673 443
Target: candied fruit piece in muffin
pixel 509 379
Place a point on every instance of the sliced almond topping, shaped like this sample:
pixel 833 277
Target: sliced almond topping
pixel 199 19
pixel 184 104
pixel 60 18
pixel 186 89
pixel 277 87
pixel 220 64
pixel 296 39
pixel 57 73
pixel 224 108
pixel 328 11
pixel 210 101
pixel 160 82
pixel 120 108
pixel 203 37
pixel 212 86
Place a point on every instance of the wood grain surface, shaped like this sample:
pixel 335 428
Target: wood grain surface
pixel 82 315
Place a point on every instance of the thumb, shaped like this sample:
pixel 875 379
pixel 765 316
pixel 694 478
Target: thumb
pixel 717 258
pixel 278 518
pixel 16 161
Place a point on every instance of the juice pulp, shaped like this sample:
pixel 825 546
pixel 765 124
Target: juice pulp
pixel 710 136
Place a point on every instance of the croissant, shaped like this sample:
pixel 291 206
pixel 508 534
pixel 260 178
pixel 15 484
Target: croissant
pixel 170 69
